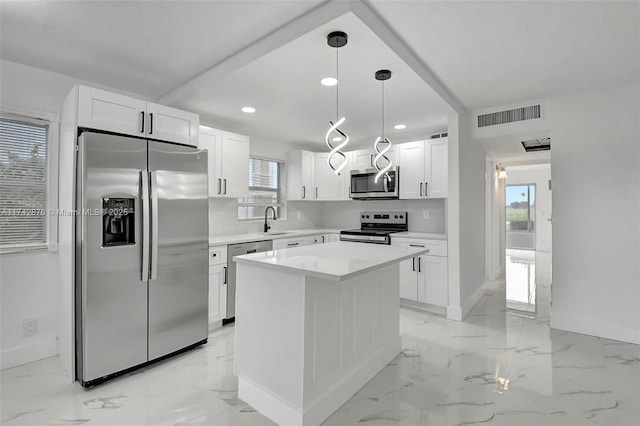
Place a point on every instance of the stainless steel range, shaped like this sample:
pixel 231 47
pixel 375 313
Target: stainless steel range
pixel 376 227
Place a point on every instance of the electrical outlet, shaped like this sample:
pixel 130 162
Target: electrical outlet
pixel 299 214
pixel 425 214
pixel 30 327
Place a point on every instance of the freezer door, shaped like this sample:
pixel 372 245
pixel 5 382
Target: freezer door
pixel 179 269
pixel 111 294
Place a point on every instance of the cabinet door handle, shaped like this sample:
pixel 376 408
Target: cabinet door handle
pixel 371 160
pixel 304 192
pixel 419 263
pixel 142 127
pixel 224 185
pixel 416 245
pixel 151 123
pixel 224 279
pixel 323 239
pixel 219 186
pixel 414 264
pixel 421 189
pixel 292 244
pixel 316 192
pixel 426 189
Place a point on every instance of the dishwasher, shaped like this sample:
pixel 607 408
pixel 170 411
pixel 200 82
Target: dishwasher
pixel 237 250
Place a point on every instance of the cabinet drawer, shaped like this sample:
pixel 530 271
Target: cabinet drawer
pixel 217 255
pixel 436 247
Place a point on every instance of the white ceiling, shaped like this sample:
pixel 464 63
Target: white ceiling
pixel 492 53
pixel 292 106
pixel 486 53
pixel 145 47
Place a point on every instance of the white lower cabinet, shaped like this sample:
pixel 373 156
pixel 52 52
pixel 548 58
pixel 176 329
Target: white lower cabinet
pixel 307 240
pixel 334 237
pixel 217 284
pixel 424 279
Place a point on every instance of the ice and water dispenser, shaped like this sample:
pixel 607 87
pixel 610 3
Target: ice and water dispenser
pixel 118 222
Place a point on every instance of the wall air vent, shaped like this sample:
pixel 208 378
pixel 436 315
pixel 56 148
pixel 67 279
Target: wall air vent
pixel 509 116
pixel 439 135
pixel 533 145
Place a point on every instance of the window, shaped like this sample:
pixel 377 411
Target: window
pixel 265 189
pixel 23 179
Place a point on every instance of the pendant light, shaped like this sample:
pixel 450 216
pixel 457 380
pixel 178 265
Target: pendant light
pixel 337 39
pixel 382 144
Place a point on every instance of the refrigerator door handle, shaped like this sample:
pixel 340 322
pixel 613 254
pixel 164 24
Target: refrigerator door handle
pixel 144 198
pixel 154 226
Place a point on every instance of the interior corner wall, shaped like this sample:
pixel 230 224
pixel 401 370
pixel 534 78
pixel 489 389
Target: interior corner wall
pixel 472 172
pixel 595 161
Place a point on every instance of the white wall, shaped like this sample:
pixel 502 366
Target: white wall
pixel 595 164
pixel 538 174
pixel 471 201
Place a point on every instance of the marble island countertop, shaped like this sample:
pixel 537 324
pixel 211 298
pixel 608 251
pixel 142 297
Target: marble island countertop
pixel 337 261
pixel 271 235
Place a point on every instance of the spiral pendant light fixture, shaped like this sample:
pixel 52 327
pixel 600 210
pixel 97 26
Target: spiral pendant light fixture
pixel 382 144
pixel 337 160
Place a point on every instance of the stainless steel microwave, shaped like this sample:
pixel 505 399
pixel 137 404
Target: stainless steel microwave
pixel 364 187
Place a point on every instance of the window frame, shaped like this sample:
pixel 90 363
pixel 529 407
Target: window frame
pixel 51 165
pixel 281 191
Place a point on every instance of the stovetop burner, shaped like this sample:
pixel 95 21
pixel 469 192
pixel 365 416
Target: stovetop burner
pixel 376 227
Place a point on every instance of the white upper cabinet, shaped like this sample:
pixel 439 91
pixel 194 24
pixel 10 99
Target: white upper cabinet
pixel 328 185
pixel 235 165
pixel 424 169
pixel 300 166
pixel 102 110
pixel 364 158
pixel 173 125
pixel 309 177
pixel 412 170
pixel 228 162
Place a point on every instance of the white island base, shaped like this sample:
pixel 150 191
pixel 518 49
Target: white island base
pixel 307 341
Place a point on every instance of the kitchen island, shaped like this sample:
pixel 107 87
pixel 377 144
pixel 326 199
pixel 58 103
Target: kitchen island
pixel 314 324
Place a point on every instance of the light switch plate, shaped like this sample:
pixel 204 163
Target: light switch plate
pixel 425 214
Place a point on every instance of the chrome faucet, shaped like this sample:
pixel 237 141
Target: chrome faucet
pixel 275 217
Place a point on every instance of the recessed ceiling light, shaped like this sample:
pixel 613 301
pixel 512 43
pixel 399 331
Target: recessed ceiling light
pixel 248 109
pixel 400 126
pixel 337 139
pixel 329 81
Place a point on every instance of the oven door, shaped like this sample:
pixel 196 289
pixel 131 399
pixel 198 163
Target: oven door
pixel 363 185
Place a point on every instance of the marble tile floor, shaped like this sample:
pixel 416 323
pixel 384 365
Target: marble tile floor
pixel 496 368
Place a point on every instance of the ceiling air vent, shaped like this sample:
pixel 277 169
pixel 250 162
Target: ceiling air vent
pixel 533 145
pixel 509 116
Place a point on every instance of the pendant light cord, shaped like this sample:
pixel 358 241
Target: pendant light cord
pixel 337 84
pixel 383 110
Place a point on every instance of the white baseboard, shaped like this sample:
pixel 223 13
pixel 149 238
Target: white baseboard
pixel 215 325
pixel 594 328
pixel 23 354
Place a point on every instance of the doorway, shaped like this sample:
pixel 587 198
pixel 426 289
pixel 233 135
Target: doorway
pixel 526 221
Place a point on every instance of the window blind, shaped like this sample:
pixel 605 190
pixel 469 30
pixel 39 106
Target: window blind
pixel 264 189
pixel 23 181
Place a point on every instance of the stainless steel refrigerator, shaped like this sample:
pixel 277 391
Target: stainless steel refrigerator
pixel 141 252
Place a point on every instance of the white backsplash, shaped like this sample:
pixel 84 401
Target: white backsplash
pixel 223 218
pixel 346 214
pixel 223 215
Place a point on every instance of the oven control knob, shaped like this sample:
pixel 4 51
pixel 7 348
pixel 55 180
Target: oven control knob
pixel 367 216
pixel 396 216
pixel 401 217
pixel 363 216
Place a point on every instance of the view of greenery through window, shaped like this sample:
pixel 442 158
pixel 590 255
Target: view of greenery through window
pixel 521 208
pixel 23 182
pixel 264 190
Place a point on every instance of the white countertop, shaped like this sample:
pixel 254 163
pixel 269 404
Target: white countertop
pixel 335 261
pixel 261 236
pixel 421 235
